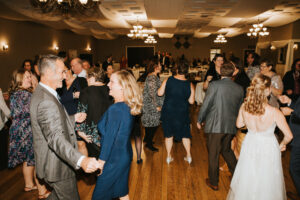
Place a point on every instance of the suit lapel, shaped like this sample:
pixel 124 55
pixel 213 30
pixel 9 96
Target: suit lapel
pixel 59 105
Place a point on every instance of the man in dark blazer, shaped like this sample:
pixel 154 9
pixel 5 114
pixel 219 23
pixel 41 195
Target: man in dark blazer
pixel 107 62
pixel 54 139
pixel 294 111
pixel 219 111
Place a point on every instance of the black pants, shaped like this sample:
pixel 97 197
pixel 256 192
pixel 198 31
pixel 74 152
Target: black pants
pixel 149 134
pixel 219 143
pixel 295 167
pixel 4 148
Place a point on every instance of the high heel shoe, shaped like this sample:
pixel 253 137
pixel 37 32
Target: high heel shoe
pixel 169 159
pixel 188 159
pixel 139 161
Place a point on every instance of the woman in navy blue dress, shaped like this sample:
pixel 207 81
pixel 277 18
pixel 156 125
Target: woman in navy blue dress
pixel 179 93
pixel 115 128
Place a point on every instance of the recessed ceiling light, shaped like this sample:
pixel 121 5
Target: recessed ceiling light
pixel 130 2
pixel 199 1
pixel 135 8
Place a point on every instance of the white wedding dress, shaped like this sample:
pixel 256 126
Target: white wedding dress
pixel 258 174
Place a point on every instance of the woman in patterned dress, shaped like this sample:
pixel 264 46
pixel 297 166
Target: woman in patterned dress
pixel 20 134
pixel 152 104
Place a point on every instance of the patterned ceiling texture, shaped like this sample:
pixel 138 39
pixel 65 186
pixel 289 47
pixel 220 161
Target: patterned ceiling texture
pixel 199 18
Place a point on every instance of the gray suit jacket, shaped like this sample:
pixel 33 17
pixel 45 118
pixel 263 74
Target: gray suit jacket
pixel 54 140
pixel 221 106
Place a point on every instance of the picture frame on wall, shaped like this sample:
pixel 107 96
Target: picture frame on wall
pixel 72 53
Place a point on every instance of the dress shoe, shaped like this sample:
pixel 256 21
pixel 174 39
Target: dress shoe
pixel 293 196
pixel 169 159
pixel 152 148
pixel 139 161
pixel 188 159
pixel 214 187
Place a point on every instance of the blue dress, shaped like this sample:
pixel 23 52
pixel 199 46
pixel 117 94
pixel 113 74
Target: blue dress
pixel 175 111
pixel 115 128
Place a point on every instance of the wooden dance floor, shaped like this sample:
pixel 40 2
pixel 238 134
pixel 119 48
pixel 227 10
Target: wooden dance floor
pixel 154 179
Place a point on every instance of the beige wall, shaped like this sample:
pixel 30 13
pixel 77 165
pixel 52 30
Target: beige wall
pixel 27 39
pixel 199 47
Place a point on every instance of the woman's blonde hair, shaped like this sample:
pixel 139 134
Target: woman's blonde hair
pixel 17 80
pixel 132 91
pixel 256 95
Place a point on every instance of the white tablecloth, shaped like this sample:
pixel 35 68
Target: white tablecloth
pixel 199 93
pixel 164 76
pixel 136 72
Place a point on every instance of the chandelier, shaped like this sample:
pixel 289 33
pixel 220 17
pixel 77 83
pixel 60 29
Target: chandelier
pixel 220 39
pixel 138 32
pixel 257 30
pixel 150 40
pixel 65 6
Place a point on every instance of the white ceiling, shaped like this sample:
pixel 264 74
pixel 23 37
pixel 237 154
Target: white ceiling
pixel 199 18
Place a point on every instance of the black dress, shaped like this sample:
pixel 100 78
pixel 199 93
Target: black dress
pixel 175 111
pixel 94 101
pixel 66 94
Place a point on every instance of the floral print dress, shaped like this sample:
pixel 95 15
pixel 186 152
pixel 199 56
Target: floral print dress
pixel 20 133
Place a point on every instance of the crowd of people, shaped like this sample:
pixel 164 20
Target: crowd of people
pixel 67 116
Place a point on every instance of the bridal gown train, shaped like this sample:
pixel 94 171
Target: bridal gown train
pixel 258 174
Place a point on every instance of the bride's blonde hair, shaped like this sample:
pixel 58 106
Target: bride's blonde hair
pixel 131 90
pixel 257 95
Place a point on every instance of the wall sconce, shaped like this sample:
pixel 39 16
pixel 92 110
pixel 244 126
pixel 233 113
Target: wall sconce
pixel 295 47
pixel 272 47
pixel 89 49
pixel 4 47
pixel 55 48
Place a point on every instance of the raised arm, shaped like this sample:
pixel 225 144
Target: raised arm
pixel 161 90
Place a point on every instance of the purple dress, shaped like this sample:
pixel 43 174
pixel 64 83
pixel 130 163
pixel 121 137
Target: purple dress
pixel 20 133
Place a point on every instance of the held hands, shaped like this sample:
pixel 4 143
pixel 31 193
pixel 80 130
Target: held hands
pixel 158 109
pixel 80 117
pixel 284 99
pixel 89 165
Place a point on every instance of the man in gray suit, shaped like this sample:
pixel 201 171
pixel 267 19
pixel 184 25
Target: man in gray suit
pixel 219 110
pixel 54 139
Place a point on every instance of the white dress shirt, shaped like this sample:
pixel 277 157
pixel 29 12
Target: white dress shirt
pixel 82 74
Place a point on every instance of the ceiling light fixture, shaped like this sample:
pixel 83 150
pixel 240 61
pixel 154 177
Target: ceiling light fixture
pixel 138 32
pixel 220 39
pixel 65 6
pixel 150 40
pixel 258 30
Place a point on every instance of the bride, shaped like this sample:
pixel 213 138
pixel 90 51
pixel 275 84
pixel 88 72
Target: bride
pixel 258 174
